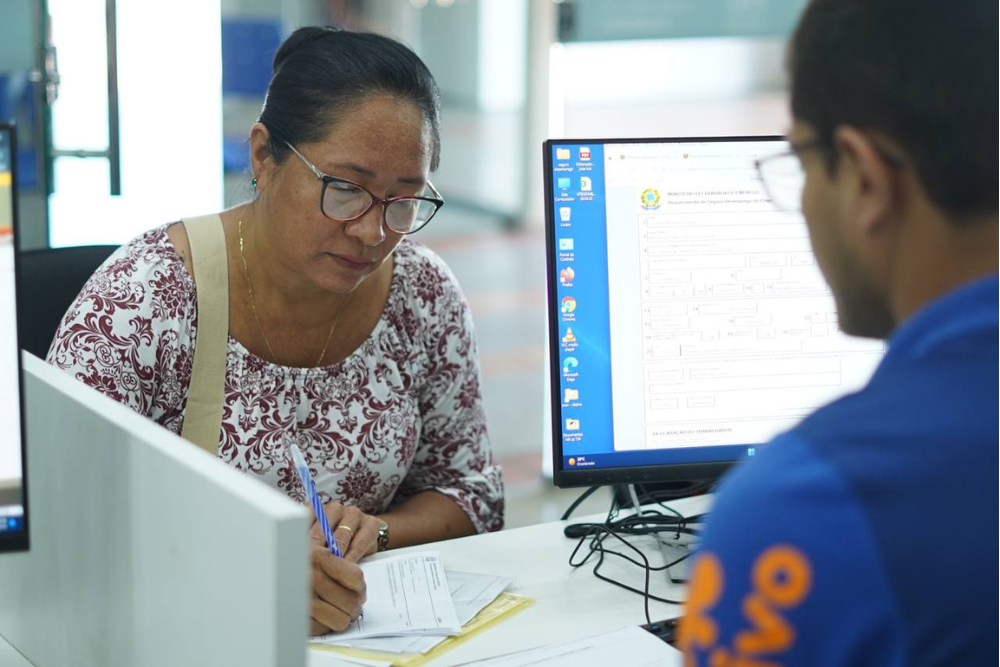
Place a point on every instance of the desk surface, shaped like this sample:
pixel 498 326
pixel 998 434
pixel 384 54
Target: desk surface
pixel 569 603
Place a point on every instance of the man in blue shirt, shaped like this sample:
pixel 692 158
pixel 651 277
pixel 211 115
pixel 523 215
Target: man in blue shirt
pixel 857 538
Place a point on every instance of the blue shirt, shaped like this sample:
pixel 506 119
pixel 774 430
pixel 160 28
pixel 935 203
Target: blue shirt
pixel 864 536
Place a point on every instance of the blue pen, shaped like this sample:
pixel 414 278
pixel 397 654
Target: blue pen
pixel 302 468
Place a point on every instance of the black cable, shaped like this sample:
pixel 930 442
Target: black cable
pixel 643 522
pixel 599 534
pixel 642 490
pixel 597 544
pixel 576 503
pixel 645 591
pixel 657 496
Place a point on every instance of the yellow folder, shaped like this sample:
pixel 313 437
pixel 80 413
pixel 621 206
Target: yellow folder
pixel 505 605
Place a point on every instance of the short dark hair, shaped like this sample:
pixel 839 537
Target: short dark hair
pixel 320 73
pixel 922 72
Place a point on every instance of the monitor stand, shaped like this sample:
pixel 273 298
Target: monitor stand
pixel 673 547
pixel 651 493
pixel 673 544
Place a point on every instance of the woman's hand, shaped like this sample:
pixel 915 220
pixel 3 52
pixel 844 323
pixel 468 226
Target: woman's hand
pixel 355 531
pixel 338 590
pixel 338 585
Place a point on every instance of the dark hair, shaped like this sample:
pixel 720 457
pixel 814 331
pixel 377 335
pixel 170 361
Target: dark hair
pixel 922 72
pixel 320 73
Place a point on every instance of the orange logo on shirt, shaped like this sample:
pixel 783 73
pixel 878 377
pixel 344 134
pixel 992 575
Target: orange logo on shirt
pixel 698 628
pixel 782 578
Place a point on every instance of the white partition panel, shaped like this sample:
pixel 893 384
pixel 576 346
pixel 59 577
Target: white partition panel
pixel 145 550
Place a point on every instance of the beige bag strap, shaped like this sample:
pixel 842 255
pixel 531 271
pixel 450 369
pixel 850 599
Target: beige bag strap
pixel 203 414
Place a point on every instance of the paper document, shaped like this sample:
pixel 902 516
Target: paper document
pixel 407 595
pixel 628 647
pixel 503 607
pixel 470 594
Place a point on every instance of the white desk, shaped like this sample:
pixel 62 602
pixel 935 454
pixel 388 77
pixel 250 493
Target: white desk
pixel 569 603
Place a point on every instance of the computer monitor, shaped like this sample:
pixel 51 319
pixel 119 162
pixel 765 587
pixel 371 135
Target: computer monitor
pixel 688 321
pixel 13 494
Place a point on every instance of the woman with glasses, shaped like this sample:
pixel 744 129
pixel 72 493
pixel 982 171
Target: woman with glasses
pixel 345 337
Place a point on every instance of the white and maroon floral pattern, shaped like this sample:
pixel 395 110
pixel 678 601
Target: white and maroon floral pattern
pixel 401 415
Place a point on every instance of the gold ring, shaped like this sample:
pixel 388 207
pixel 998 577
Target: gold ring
pixel 347 528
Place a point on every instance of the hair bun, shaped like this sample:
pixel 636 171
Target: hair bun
pixel 299 39
pixel 320 72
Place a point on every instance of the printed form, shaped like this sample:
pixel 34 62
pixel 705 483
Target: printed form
pixel 732 335
pixel 470 593
pixel 407 595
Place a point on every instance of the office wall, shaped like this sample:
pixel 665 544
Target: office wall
pixel 450 45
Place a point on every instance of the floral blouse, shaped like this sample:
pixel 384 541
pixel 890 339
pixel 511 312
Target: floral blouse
pixel 403 414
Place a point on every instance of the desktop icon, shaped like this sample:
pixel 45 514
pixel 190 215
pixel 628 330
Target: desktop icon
pixel 570 364
pixel 572 424
pixel 562 153
pixel 568 304
pixel 570 337
pixel 565 244
pixel 585 184
pixel 566 275
pixel 572 462
pixel 564 213
pixel 584 152
pixel 571 395
pixel 564 182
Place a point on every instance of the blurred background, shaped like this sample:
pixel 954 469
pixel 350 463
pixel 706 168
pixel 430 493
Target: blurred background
pixel 131 114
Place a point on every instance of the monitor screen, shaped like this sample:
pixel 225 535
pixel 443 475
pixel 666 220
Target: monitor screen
pixel 688 321
pixel 13 515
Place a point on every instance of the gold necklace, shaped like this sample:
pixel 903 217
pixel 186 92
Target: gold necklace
pixel 253 307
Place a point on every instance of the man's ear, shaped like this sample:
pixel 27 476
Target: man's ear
pixel 261 159
pixel 867 178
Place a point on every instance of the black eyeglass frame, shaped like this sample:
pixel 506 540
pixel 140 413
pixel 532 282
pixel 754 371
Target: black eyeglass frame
pixel 437 200
pixel 814 144
pixel 893 161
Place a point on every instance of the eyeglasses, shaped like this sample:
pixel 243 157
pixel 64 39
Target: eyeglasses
pixel 784 178
pixel 344 200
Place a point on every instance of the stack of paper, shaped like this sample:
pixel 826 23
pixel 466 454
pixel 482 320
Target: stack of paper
pixel 414 605
pixel 505 605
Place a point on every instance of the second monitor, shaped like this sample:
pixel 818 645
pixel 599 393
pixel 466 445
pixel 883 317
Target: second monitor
pixel 13 493
pixel 689 322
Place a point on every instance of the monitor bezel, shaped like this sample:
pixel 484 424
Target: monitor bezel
pixel 625 475
pixel 19 540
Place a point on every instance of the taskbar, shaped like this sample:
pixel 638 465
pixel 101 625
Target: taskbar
pixel 11 518
pixel 659 457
